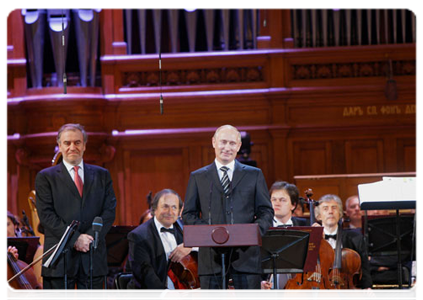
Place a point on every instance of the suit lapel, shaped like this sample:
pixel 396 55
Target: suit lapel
pixel 89 177
pixel 238 174
pixel 214 177
pixel 64 175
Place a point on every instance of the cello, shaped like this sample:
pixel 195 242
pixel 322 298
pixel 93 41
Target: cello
pixel 346 269
pixel 22 281
pixel 317 279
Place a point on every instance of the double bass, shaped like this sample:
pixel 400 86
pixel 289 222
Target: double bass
pixel 319 278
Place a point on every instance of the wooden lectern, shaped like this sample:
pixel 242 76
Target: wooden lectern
pixel 222 235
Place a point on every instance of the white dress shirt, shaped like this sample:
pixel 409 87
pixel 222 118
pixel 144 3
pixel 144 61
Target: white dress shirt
pixel 230 172
pixel 71 170
pixel 331 241
pixel 169 244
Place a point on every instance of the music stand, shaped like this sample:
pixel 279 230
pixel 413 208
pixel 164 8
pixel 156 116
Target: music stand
pixel 117 248
pixel 284 251
pixel 390 193
pixel 222 235
pixel 62 249
pixel 27 246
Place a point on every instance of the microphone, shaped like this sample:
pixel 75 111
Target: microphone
pixel 97 226
pixel 210 199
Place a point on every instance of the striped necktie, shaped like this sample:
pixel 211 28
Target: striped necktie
pixel 225 180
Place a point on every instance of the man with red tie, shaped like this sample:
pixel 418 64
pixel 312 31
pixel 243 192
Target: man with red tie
pixel 73 190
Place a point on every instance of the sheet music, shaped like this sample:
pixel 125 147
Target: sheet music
pixel 48 262
pixel 389 189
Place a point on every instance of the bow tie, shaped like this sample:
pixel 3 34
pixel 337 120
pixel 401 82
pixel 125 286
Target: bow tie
pixel 285 225
pixel 330 236
pixel 171 230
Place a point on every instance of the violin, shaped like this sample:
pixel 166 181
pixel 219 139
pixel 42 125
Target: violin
pixel 26 280
pixel 317 279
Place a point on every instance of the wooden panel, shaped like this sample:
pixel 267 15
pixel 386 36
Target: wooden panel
pixel 364 156
pixel 406 155
pixel 154 171
pixel 311 157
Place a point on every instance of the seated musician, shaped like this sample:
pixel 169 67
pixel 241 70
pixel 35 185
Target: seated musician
pixel 353 212
pixel 13 230
pixel 284 197
pixel 154 243
pixel 329 212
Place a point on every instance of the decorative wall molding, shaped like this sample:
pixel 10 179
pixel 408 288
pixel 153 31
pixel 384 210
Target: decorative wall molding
pixel 193 76
pixel 352 70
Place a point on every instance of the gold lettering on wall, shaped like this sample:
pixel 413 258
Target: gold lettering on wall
pixel 410 109
pixel 353 111
pixel 381 110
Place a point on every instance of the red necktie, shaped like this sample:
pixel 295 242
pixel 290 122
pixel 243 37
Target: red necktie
pixel 78 180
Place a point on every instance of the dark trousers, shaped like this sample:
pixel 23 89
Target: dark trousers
pixel 240 280
pixel 80 282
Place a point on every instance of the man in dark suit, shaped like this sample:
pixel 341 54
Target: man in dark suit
pixel 74 190
pixel 284 197
pixel 155 243
pixel 329 212
pixel 228 192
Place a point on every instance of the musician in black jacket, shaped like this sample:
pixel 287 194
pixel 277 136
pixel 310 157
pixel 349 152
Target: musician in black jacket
pixel 284 197
pixel 154 243
pixel 329 212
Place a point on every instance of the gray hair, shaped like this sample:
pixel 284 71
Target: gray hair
pixel 72 127
pixel 327 198
pixel 349 199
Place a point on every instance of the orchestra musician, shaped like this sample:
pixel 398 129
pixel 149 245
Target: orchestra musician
pixel 353 212
pixel 228 192
pixel 13 230
pixel 155 242
pixel 284 197
pixel 73 190
pixel 329 212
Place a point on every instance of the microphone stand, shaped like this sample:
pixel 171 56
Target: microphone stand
pixel 91 265
pixel 65 267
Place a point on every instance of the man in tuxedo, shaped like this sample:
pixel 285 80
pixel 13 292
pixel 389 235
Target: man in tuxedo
pixel 74 190
pixel 284 197
pixel 329 212
pixel 155 243
pixel 228 192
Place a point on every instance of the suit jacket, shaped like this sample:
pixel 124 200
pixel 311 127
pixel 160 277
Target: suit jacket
pixel 147 257
pixel 58 203
pixel 354 240
pixel 300 221
pixel 249 202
